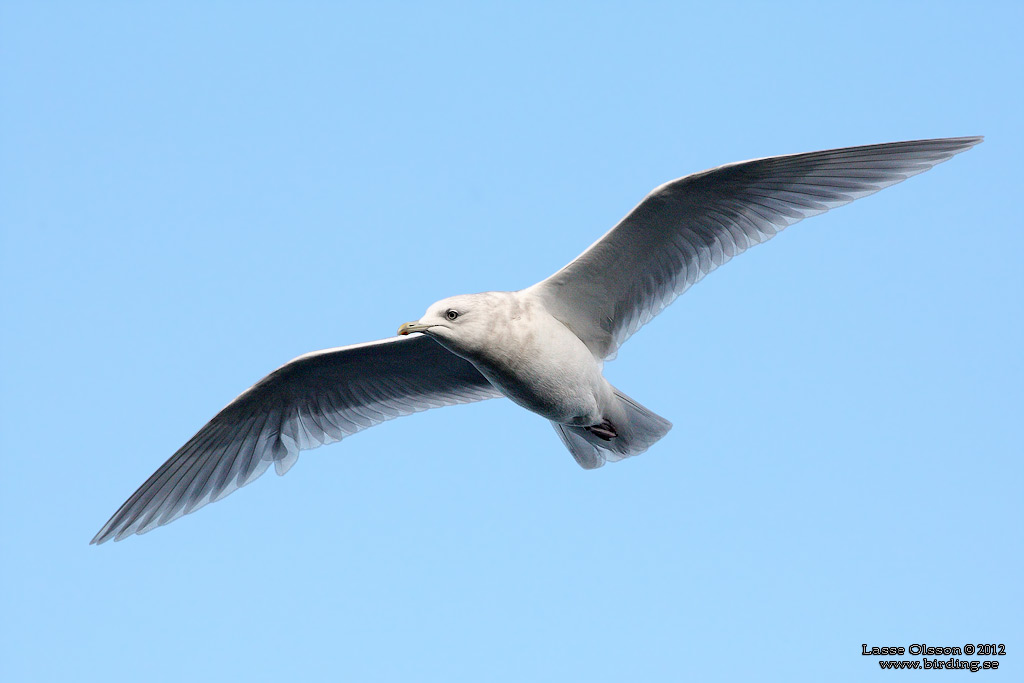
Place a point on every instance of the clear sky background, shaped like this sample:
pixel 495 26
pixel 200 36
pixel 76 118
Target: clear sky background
pixel 193 193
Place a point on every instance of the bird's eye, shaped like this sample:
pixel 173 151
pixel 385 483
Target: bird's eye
pixel 451 314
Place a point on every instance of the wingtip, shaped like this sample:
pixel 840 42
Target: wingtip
pixel 100 538
pixel 958 144
pixel 972 140
pixel 105 534
pixel 966 142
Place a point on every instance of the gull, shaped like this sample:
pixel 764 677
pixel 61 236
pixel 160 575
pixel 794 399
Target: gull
pixel 543 347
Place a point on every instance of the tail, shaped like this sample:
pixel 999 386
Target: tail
pixel 635 434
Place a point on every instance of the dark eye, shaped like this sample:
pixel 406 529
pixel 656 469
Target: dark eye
pixel 451 314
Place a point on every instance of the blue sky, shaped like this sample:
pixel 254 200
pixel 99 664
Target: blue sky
pixel 191 195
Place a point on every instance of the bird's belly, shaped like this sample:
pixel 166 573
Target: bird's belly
pixel 560 398
pixel 553 375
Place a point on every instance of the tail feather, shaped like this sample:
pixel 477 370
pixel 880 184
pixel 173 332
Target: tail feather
pixel 638 432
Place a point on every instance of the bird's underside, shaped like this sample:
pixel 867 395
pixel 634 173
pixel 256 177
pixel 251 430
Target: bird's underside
pixel 679 233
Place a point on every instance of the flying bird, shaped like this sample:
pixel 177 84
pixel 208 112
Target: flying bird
pixel 543 347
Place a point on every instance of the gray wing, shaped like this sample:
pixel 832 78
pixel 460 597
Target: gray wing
pixel 316 399
pixel 688 227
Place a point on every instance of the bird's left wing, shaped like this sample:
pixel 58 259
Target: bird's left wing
pixel 688 227
pixel 316 399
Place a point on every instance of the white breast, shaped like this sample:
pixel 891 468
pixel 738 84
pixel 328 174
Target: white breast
pixel 541 365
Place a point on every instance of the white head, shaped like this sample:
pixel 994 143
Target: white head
pixel 464 324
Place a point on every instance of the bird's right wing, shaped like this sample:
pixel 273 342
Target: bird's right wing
pixel 316 399
pixel 688 227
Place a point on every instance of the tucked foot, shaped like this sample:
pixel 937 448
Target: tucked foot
pixel 604 431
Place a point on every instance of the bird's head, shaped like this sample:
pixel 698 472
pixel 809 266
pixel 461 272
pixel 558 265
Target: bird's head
pixel 462 324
